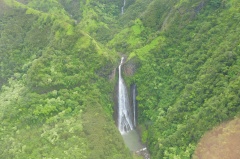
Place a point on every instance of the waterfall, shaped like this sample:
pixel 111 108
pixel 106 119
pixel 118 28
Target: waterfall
pixel 124 3
pixel 134 105
pixel 125 123
pixel 127 117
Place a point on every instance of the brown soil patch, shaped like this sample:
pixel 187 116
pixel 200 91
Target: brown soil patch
pixel 223 142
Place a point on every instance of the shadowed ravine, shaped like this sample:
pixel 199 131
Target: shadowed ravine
pixel 127 117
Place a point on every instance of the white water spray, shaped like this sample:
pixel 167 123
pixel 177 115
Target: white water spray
pixel 124 3
pixel 134 105
pixel 125 123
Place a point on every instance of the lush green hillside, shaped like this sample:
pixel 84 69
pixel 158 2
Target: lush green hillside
pixel 188 53
pixel 55 99
pixel 57 57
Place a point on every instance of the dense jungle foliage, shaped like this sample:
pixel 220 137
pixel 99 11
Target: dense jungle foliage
pixel 56 74
pixel 55 97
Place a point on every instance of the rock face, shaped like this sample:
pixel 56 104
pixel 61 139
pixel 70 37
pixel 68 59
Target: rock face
pixel 111 77
pixel 143 152
pixel 129 68
pixel 222 142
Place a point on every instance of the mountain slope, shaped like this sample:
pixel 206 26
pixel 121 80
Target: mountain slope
pixel 57 56
pixel 188 76
pixel 55 99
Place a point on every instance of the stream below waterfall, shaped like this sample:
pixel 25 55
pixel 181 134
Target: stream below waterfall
pixel 127 118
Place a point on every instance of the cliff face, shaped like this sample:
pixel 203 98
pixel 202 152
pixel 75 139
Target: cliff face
pixel 130 68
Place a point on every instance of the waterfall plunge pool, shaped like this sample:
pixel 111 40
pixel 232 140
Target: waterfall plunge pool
pixel 132 140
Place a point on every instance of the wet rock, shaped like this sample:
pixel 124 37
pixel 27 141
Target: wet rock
pixel 143 152
pixel 130 67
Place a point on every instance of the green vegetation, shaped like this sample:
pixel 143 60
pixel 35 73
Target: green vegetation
pixel 57 57
pixel 188 79
pixel 55 99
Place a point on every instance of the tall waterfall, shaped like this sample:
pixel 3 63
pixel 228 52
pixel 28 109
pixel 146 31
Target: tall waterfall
pixel 127 115
pixel 124 3
pixel 134 105
pixel 125 122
